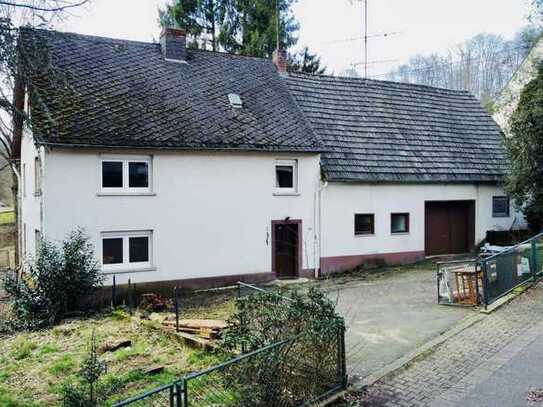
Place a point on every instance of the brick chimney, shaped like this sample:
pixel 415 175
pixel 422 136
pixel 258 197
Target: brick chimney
pixel 279 58
pixel 173 44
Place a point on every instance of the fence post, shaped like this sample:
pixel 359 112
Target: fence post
pixel 184 393
pixel 534 260
pixel 484 268
pixel 342 360
pixel 176 304
pixel 130 297
pixel 113 292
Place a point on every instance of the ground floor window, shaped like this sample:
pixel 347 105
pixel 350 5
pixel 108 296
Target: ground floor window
pixel 399 223
pixel 364 224
pixel 126 250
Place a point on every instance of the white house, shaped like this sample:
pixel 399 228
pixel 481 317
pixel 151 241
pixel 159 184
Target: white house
pixel 204 168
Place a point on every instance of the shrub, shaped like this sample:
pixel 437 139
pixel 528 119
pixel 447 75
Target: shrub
pixel 55 282
pixel 302 364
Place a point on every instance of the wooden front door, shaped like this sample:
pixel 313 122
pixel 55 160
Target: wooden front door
pixel 449 227
pixel 286 249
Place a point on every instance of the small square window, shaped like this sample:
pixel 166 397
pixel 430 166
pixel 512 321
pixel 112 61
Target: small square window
pixel 112 174
pixel 399 223
pixel 139 249
pixel 284 176
pixel 500 207
pixel 112 251
pixel 364 224
pixel 138 175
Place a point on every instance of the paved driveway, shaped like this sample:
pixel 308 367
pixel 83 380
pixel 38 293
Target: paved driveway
pixel 390 314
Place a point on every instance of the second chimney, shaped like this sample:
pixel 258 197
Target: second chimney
pixel 173 44
pixel 279 58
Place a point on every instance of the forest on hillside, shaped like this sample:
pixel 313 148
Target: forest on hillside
pixel 482 65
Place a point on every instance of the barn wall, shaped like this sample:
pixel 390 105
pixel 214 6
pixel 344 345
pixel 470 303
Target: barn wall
pixel 340 201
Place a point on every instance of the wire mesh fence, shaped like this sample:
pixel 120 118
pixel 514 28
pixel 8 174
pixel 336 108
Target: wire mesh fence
pixel 297 371
pixel 170 395
pixel 487 279
pixel 511 268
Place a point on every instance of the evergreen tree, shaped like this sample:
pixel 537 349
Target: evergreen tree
pixel 306 62
pixel 245 27
pixel 525 149
pixel 200 18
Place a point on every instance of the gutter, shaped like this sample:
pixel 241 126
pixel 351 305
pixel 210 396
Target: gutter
pixel 318 233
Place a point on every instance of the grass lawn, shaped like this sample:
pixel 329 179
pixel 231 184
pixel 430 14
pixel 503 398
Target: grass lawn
pixel 7 217
pixel 33 365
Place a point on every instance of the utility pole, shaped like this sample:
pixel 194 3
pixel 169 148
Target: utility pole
pixel 365 39
pixel 278 22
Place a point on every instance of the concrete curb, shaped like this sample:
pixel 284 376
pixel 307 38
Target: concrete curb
pixel 420 352
pixel 506 299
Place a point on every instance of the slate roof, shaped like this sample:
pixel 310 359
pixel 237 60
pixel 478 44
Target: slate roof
pixel 377 131
pixel 124 94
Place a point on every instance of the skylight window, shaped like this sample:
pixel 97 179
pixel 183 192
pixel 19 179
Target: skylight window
pixel 235 100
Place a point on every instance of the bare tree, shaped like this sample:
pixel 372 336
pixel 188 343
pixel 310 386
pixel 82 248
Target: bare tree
pixel 481 65
pixel 16 67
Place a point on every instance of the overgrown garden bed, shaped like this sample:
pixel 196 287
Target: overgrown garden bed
pixel 34 365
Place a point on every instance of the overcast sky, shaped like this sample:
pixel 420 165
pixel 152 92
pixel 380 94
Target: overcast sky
pixel 423 26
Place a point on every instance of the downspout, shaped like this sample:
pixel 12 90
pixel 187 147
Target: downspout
pixel 318 233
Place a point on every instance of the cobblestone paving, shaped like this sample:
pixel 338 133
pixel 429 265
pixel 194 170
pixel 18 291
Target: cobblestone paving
pixel 441 377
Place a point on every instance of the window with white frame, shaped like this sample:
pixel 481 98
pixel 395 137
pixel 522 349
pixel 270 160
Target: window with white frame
pixel 126 251
pixel 126 175
pixel 286 176
pixel 37 176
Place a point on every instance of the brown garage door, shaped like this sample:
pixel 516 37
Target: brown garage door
pixel 450 227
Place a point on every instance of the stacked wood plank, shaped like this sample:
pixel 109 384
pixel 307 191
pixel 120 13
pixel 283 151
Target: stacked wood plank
pixel 201 332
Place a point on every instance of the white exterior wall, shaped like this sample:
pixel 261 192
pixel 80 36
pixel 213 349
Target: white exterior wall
pixel 210 213
pixel 30 198
pixel 340 201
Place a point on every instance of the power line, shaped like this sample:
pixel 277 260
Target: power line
pixel 382 61
pixel 443 64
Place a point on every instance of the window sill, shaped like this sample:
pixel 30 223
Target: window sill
pixel 125 194
pixel 364 235
pixel 126 271
pixel 286 194
pixel 501 216
pixel 399 233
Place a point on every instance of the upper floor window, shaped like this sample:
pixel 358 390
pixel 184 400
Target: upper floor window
pixel 500 206
pixel 286 176
pixel 364 224
pixel 130 175
pixel 399 223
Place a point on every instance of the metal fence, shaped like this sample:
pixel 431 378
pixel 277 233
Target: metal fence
pixel 515 266
pixel 487 279
pixel 297 371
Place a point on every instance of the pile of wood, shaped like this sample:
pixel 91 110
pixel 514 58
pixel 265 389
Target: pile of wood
pixel 201 332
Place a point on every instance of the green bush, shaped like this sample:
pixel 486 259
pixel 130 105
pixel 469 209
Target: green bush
pixel 305 333
pixel 55 282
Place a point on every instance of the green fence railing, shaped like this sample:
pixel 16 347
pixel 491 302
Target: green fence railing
pixel 511 268
pixel 294 372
